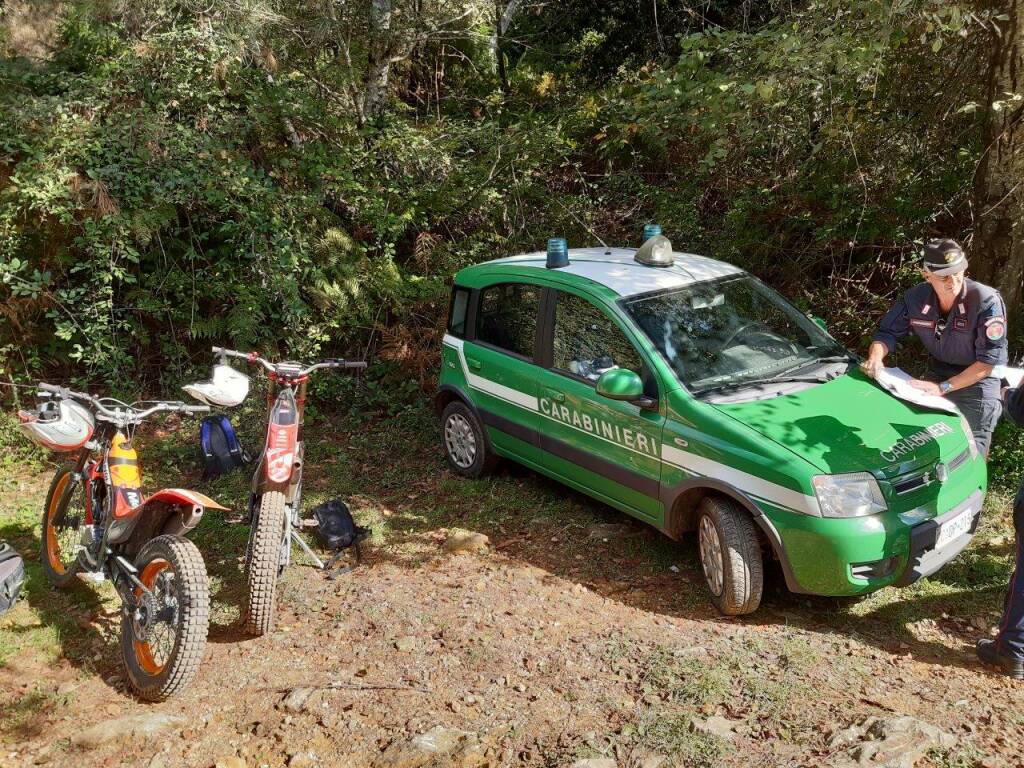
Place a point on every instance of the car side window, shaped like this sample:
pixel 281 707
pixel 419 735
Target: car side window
pixel 507 317
pixel 587 342
pixel 457 312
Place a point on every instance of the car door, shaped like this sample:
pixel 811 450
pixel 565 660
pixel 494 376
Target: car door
pixel 608 448
pixel 500 366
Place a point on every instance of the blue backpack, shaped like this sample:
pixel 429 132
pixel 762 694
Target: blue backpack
pixel 221 452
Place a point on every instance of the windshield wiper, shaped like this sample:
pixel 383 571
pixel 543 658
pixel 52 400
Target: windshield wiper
pixel 816 361
pixel 780 379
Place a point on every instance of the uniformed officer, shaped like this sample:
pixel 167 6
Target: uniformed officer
pixel 962 325
pixel 1006 652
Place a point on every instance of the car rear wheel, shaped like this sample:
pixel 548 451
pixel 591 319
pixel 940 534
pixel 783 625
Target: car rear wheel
pixel 730 556
pixel 465 445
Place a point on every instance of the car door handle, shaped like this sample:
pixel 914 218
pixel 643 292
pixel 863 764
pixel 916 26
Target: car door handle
pixel 555 395
pixel 476 365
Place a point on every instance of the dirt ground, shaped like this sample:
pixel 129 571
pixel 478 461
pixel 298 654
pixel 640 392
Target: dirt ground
pixel 574 634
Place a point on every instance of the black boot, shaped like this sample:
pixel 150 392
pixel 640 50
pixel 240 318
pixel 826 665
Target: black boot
pixel 1005 663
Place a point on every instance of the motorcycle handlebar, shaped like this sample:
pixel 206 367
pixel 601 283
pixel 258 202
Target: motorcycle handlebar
pixel 253 357
pixel 129 412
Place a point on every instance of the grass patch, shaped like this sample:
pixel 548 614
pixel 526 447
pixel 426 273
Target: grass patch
pixel 684 678
pixel 674 737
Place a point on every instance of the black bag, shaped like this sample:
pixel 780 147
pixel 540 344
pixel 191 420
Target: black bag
pixel 336 530
pixel 221 452
pixel 12 577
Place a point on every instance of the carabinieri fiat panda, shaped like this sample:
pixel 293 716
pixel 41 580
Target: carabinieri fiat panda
pixel 688 394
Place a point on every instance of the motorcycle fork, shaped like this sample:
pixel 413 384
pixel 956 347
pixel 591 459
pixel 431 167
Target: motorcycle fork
pixel 292 488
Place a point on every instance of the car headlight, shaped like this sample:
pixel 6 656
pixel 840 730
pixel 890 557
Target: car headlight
pixel 969 434
pixel 854 494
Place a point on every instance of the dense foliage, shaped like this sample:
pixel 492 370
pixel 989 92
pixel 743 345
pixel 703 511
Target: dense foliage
pixel 306 177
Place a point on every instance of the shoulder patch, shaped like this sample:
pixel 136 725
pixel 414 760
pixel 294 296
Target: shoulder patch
pixel 995 328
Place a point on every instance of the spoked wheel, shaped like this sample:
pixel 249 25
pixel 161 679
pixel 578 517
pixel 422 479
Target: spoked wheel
pixel 730 556
pixel 163 636
pixel 63 515
pixel 263 561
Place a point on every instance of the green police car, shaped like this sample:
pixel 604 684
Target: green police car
pixel 688 394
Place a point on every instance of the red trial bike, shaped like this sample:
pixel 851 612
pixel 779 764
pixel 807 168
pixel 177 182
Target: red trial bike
pixel 276 499
pixel 98 522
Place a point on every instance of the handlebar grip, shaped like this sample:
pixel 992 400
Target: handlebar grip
pixel 358 364
pixel 44 387
pixel 196 409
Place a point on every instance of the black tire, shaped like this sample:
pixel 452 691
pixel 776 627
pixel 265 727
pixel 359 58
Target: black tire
pixel 163 661
pixel 736 589
pixel 65 503
pixel 263 562
pixel 464 442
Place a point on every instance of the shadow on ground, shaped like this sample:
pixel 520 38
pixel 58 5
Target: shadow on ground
pixel 393 475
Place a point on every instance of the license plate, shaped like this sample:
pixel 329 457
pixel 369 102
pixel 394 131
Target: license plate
pixel 952 529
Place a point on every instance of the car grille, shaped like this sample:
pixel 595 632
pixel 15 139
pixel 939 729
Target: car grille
pixel 918 480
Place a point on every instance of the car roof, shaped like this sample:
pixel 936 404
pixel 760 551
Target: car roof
pixel 617 270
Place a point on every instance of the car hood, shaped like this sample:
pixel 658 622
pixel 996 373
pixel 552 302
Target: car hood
pixel 850 424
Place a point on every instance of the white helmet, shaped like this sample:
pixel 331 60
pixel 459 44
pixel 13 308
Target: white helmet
pixel 226 387
pixel 60 425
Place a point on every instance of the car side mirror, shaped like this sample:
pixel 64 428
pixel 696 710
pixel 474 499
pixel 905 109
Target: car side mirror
pixel 819 322
pixel 624 384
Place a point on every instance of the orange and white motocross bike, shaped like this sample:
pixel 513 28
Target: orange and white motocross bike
pixel 98 522
pixel 276 499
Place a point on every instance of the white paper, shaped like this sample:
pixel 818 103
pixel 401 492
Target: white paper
pixel 1012 375
pixel 896 382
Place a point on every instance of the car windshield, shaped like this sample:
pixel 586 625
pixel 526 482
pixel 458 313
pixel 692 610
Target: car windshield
pixel 732 331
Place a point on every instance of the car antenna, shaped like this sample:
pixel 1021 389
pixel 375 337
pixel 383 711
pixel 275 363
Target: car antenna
pixel 583 224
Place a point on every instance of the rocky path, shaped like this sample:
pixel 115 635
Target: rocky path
pixel 479 659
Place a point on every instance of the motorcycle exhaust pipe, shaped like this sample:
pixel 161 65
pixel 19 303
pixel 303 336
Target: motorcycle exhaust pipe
pixel 185 519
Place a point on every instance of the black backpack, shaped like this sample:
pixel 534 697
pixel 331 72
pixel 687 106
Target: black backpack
pixel 219 447
pixel 12 577
pixel 337 531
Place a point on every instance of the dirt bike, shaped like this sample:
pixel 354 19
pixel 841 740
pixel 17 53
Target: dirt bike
pixel 276 500
pixel 97 521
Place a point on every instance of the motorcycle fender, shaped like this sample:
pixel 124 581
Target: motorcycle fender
pixel 172 510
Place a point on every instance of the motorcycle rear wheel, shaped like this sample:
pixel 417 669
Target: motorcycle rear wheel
pixel 263 561
pixel 163 639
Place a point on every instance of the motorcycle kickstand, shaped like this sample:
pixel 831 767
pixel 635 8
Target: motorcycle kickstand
pixel 305 548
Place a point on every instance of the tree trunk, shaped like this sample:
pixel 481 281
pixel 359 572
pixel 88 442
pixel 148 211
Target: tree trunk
pixel 998 250
pixel 378 65
pixel 499 49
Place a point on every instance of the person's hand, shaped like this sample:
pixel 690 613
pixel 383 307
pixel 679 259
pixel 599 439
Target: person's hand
pixel 928 387
pixel 872 367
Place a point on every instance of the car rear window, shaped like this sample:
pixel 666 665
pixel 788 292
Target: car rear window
pixel 507 317
pixel 458 311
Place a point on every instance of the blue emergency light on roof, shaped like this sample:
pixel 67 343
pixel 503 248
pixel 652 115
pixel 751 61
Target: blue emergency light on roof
pixel 650 230
pixel 558 253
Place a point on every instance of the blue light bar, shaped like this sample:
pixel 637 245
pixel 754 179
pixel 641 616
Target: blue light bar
pixel 651 230
pixel 558 253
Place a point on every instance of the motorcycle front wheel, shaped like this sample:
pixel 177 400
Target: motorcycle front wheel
pixel 163 636
pixel 63 514
pixel 263 562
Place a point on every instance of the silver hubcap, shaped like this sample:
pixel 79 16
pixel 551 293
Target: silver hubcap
pixel 460 441
pixel 711 556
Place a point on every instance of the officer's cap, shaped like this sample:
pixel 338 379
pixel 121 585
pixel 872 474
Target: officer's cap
pixel 943 257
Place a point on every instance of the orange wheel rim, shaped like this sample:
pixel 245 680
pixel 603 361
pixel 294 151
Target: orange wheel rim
pixel 144 649
pixel 52 545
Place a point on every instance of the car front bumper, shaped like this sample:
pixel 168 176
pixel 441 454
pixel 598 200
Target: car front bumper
pixel 856 556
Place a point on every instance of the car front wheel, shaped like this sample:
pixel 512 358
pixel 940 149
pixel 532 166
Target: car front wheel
pixel 730 556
